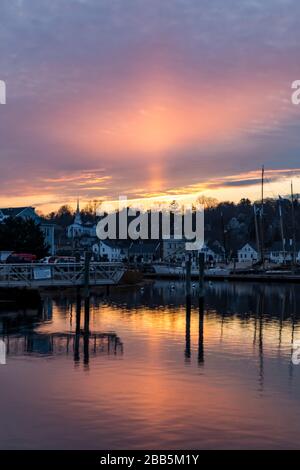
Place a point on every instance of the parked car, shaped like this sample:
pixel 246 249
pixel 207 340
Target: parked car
pixel 21 258
pixel 65 260
pixel 48 260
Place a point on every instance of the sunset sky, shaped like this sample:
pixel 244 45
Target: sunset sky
pixel 147 97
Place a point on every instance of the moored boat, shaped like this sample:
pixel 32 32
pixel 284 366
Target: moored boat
pixel 177 271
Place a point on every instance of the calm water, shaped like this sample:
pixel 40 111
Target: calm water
pixel 149 375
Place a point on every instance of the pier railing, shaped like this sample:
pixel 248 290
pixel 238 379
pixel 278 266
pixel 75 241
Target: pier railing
pixel 72 274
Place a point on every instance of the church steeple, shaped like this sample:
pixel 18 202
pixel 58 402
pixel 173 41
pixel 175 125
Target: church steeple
pixel 77 215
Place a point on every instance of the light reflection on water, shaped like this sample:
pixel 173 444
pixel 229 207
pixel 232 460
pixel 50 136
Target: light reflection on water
pixel 146 373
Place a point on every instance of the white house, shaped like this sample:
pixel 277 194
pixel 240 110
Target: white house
pixel 248 254
pixel 174 251
pixel 47 228
pixel 110 251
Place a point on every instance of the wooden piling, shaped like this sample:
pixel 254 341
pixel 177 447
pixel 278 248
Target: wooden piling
pixel 188 276
pixel 188 293
pixel 86 334
pixel 201 275
pixel 87 263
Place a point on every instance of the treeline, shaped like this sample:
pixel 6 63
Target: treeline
pixel 65 215
pixel 232 224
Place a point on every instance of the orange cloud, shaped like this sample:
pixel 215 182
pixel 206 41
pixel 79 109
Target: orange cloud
pixel 158 118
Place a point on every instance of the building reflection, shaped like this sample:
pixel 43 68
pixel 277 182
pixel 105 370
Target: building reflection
pixel 63 344
pixel 252 306
pixel 19 330
pixel 227 299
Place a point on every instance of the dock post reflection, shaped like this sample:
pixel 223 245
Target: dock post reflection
pixel 86 333
pixel 261 337
pixel 187 351
pixel 293 320
pixel 77 331
pixel 201 332
pixel 188 299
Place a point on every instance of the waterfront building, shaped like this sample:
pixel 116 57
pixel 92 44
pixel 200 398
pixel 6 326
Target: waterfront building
pixel 110 250
pixel 248 253
pixel 174 251
pixel 283 253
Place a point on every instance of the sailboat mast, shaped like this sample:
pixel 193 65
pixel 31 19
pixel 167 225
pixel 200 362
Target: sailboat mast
pixel 256 229
pixel 262 217
pixel 281 229
pixel 294 224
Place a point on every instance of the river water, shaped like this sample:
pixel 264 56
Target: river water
pixel 137 370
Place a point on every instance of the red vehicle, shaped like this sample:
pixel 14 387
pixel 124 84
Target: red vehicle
pixel 17 258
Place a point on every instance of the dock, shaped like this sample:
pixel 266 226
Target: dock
pixel 35 275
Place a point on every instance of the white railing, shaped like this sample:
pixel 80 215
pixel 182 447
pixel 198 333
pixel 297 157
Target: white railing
pixel 71 274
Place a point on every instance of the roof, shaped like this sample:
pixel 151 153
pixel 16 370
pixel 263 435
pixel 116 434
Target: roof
pixel 143 248
pixel 47 223
pixel 14 211
pixel 251 244
pixel 216 247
